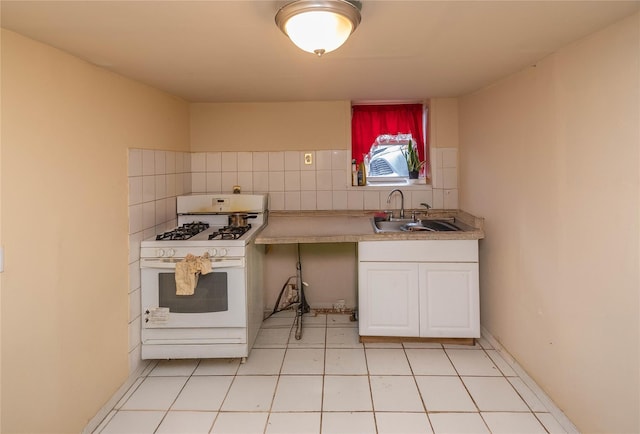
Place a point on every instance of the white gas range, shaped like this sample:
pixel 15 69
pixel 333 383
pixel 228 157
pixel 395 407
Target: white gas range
pixel 222 316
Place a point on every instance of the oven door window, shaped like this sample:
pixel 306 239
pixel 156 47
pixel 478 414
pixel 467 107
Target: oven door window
pixel 210 295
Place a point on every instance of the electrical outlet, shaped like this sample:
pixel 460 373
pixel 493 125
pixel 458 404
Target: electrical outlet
pixel 308 159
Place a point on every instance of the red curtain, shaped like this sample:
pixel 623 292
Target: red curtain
pixel 370 121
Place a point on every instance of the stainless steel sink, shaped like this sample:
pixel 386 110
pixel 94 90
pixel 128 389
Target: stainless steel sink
pixel 408 225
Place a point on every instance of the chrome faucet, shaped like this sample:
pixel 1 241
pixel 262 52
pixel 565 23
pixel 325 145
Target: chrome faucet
pixel 401 201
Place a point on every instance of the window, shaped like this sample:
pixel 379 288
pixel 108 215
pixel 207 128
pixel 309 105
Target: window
pixel 379 136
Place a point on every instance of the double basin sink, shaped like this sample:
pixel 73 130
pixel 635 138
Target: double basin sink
pixel 381 225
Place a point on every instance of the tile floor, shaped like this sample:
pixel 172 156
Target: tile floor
pixel 327 382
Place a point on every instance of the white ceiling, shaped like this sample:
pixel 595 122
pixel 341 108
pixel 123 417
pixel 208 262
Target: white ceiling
pixel 226 51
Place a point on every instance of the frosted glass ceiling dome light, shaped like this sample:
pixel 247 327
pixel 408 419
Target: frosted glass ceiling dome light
pixel 319 26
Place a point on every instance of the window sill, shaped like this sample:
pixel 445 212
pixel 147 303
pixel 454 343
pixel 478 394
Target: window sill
pixel 413 184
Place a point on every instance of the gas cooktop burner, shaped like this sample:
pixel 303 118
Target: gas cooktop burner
pixel 229 232
pixel 183 232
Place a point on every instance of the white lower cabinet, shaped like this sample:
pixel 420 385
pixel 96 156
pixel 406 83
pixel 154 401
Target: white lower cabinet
pixel 449 300
pixel 426 288
pixel 389 306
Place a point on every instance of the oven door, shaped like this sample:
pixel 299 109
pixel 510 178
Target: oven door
pixel 219 299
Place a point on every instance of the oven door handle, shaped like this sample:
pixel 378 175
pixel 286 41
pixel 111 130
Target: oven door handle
pixel 170 263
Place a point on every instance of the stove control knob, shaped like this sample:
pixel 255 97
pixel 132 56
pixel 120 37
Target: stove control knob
pixel 212 252
pixel 223 252
pixel 160 252
pixel 171 252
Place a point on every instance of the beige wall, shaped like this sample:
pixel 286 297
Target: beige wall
pixel 273 126
pixel 549 157
pixel 443 128
pixel 66 128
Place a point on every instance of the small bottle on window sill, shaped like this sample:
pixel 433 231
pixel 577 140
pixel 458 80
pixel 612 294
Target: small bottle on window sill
pixel 354 172
pixel 362 176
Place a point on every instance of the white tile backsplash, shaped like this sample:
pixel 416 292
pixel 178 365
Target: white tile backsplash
pixel 135 218
pixel 228 180
pixel 308 181
pixel 134 278
pixel 213 162
pixel 340 199
pixel 338 179
pixel 292 160
pixel 292 180
pixel 328 178
pixel 324 199
pixel 260 182
pixel 292 200
pixel 198 162
pixel 160 162
pixel 339 160
pixel 419 197
pixel 260 161
pixel 199 182
pixel 135 162
pixel 181 179
pixel 179 159
pixel 323 160
pixel 161 186
pixel 245 181
pixel 156 177
pixel 135 190
pixel 372 200
pixel 148 188
pixel 170 185
pixel 213 182
pixel 438 198
pixel 355 199
pixel 161 211
pixel 229 161
pixel 148 215
pixel 308 200
pixel 148 162
pixel 449 178
pixel 134 303
pixel 134 242
pixel 276 181
pixel 323 180
pixel 276 161
pixel 245 162
pixel 450 198
pixel 170 162
pixel 276 200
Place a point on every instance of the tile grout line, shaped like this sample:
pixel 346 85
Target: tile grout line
pixel 152 365
pixel 466 388
pixel 373 406
pixel 554 410
pixel 275 390
pixel 164 416
pixel 415 381
pixel 100 421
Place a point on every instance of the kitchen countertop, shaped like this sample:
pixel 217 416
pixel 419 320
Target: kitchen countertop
pixel 292 227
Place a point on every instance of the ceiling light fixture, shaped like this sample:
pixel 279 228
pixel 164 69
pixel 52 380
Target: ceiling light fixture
pixel 319 26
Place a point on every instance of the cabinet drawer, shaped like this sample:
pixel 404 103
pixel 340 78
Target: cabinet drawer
pixel 419 251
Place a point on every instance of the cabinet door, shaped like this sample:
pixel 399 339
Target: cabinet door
pixel 388 299
pixel 449 300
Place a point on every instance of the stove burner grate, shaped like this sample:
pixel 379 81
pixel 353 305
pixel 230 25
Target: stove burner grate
pixel 229 232
pixel 183 232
